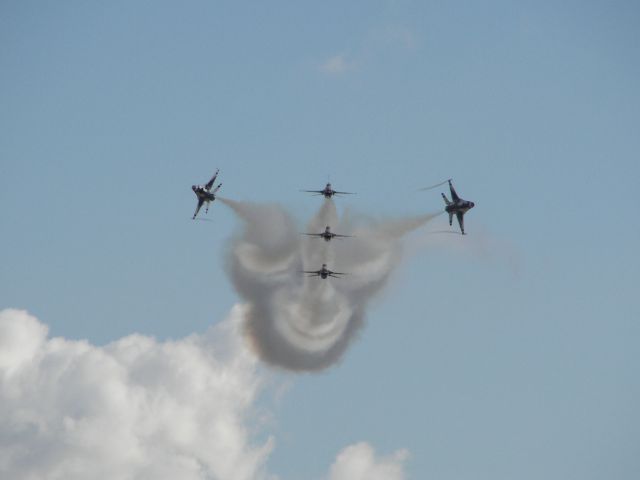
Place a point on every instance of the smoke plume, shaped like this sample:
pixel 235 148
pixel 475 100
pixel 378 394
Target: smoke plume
pixel 306 323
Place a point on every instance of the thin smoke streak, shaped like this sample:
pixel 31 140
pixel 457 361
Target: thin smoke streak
pixel 433 186
pixel 453 232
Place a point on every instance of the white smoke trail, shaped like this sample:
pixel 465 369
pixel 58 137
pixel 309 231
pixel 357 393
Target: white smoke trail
pixel 303 323
pixel 433 186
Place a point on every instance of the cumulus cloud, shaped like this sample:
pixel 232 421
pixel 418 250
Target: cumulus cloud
pixel 337 65
pixel 139 409
pixel 359 462
pixel 302 323
pixel 401 35
pixel 133 409
pixel 375 46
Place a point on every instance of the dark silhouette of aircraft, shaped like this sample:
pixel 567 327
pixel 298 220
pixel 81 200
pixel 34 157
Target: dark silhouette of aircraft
pixel 205 194
pixel 457 206
pixel 324 272
pixel 327 234
pixel 328 192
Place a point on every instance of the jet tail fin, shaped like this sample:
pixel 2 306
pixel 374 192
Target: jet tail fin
pixel 444 197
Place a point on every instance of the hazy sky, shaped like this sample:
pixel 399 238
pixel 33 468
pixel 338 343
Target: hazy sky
pixel 511 352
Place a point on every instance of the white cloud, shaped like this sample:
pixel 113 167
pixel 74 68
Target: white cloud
pixel 19 345
pixel 376 46
pixel 337 65
pixel 139 409
pixel 401 35
pixel 359 462
pixel 134 409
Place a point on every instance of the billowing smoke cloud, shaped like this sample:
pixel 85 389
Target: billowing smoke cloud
pixel 140 409
pixel 303 323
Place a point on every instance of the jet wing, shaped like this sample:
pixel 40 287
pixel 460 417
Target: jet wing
pixel 460 216
pixel 200 202
pixel 344 193
pixel 212 181
pixel 312 234
pixel 342 236
pixel 454 195
pixel 313 191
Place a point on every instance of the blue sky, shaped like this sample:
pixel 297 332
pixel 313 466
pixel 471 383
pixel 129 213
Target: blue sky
pixel 509 352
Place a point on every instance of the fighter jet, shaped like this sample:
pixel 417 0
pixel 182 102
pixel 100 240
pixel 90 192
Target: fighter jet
pixel 328 192
pixel 324 272
pixel 205 194
pixel 327 234
pixel 457 206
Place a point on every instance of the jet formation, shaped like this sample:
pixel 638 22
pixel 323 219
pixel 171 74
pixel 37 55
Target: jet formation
pixel 456 205
pixel 327 235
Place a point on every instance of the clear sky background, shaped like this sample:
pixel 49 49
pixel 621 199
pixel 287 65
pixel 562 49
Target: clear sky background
pixel 511 352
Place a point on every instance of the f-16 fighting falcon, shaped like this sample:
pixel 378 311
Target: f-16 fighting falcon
pixel 457 206
pixel 327 234
pixel 328 192
pixel 205 194
pixel 324 272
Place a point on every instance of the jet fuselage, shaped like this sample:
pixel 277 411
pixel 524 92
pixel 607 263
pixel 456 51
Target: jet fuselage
pixel 324 271
pixel 462 206
pixel 328 192
pixel 202 193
